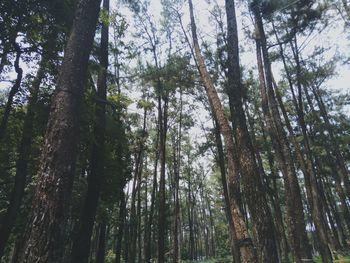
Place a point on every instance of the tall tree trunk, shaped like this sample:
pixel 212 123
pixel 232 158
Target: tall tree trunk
pixel 177 166
pixel 101 251
pixel 82 242
pixel 148 230
pixel 13 91
pixel 44 240
pixel 221 162
pixel 295 214
pixel 136 190
pixel 163 122
pixel 190 219
pixel 252 181
pixel 133 219
pixel 335 147
pixel 334 212
pixel 139 216
pixel 8 220
pixel 307 164
pixel 276 202
pixel 126 231
pixel 246 247
pixel 271 192
pixel 336 174
pixel 311 184
pixel 121 223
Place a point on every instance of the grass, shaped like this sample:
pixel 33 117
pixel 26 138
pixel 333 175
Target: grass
pixel 317 260
pixel 340 260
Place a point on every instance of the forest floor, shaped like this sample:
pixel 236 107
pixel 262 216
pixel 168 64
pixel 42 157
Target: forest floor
pixel 340 260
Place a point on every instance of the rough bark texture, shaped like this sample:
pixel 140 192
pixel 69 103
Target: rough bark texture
pixel 295 215
pixel 44 240
pixel 82 242
pixel 312 191
pixel 307 164
pixel 252 181
pixel 221 162
pixel 246 247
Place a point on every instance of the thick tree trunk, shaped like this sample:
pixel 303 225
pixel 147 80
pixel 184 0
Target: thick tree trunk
pixel 13 91
pixel 246 247
pixel 44 240
pixel 307 164
pixel 82 242
pixel 221 162
pixel 295 215
pixel 271 192
pixel 276 200
pixel 311 184
pixel 252 181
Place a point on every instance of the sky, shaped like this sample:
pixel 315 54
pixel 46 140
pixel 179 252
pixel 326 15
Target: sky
pixel 334 37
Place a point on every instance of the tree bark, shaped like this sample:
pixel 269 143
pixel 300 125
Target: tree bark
pixel 44 240
pixel 177 167
pixel 252 181
pixel 8 220
pixel 246 247
pixel 121 223
pixel 295 215
pixel 148 230
pixel 163 122
pixel 82 242
pixel 221 162
pixel 336 173
pixel 312 188
pixel 136 189
pixel 307 165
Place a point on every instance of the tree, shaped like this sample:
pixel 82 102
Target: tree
pixel 297 231
pixel 252 181
pixel 245 243
pixel 81 246
pixel 44 236
pixel 24 149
